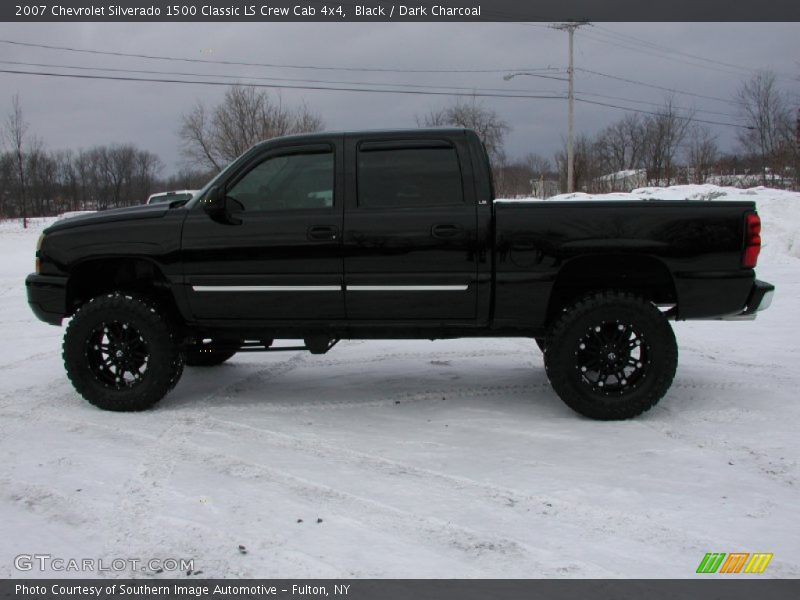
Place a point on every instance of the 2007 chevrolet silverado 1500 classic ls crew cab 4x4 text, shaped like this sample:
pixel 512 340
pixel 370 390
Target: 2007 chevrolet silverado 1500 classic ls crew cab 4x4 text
pixel 390 234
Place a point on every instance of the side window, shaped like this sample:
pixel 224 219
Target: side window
pixel 293 181
pixel 407 177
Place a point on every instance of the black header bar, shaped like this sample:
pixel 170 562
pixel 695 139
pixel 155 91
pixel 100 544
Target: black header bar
pixel 334 11
pixel 195 588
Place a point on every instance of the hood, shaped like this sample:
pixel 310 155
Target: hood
pixel 129 213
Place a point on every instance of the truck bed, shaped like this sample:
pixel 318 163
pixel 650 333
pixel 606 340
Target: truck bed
pixel 696 245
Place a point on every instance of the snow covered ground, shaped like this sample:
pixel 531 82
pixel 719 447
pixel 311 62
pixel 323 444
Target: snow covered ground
pixel 412 458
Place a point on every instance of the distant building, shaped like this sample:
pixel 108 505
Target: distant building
pixel 544 188
pixel 621 181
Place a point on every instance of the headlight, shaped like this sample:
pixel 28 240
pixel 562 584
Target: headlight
pixel 38 264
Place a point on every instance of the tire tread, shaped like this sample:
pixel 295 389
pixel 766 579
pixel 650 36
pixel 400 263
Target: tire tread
pixel 161 380
pixel 559 371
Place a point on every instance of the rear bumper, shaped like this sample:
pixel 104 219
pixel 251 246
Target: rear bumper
pixel 47 297
pixel 760 298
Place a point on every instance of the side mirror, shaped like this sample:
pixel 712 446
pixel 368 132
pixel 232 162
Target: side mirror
pixel 221 208
pixel 214 201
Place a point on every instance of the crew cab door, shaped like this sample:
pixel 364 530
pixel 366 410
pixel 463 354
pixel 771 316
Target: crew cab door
pixel 410 226
pixel 281 258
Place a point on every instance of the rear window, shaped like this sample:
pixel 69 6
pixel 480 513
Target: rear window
pixel 409 177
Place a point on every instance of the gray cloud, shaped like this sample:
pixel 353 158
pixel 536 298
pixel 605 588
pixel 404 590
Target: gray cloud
pixel 72 113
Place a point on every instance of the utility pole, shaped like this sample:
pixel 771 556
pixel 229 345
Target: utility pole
pixel 570 29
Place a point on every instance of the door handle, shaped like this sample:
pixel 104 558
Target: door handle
pixel 446 230
pixel 322 233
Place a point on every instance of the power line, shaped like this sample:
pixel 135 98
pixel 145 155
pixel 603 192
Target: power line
pixel 666 49
pixel 238 78
pixel 659 54
pixel 658 87
pixel 265 65
pixel 651 103
pixel 650 112
pixel 346 89
pixel 278 86
pixel 541 70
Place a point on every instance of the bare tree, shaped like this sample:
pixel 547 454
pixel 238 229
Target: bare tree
pixel 146 168
pixel 701 153
pixel 664 133
pixel 513 179
pixel 538 165
pixel 187 179
pixel 620 146
pixel 195 133
pixel 214 137
pixel 489 126
pixel 587 169
pixel 766 113
pixel 15 133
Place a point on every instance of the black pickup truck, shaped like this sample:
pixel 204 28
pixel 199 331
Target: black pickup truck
pixel 390 234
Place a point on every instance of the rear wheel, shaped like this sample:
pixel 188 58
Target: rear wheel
pixel 612 355
pixel 121 353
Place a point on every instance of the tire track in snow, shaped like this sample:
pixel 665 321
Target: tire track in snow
pixel 143 530
pixel 777 469
pixel 402 397
pixel 258 378
pixel 27 359
pixel 466 542
pixel 599 522
pixel 432 355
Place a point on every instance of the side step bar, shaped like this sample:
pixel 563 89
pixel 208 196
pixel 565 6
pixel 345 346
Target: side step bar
pixel 313 344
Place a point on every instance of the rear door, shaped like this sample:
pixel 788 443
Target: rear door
pixel 283 260
pixel 409 232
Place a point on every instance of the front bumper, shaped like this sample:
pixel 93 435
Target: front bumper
pixel 47 297
pixel 760 298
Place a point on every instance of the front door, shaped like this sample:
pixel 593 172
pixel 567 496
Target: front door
pixel 282 258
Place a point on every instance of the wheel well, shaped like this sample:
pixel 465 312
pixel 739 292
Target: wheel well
pixel 643 275
pixel 94 277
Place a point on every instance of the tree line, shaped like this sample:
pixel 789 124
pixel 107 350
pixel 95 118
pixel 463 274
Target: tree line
pixel 36 181
pixel 669 145
pixel 664 146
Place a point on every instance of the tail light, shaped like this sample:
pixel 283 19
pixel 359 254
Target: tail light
pixel 752 240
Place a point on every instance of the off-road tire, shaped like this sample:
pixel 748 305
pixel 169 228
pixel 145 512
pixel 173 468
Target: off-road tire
pixel 157 340
pixel 575 344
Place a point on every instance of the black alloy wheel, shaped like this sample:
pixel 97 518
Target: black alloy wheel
pixel 611 355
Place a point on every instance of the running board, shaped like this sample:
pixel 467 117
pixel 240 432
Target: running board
pixel 313 345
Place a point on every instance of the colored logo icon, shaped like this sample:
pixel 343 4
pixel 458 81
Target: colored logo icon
pixel 735 562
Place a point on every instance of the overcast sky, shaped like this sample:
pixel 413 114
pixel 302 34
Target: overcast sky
pixel 75 113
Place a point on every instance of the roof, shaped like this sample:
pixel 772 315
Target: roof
pixel 416 132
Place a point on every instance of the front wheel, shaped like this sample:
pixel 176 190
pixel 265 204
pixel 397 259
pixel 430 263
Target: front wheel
pixel 611 356
pixel 121 354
